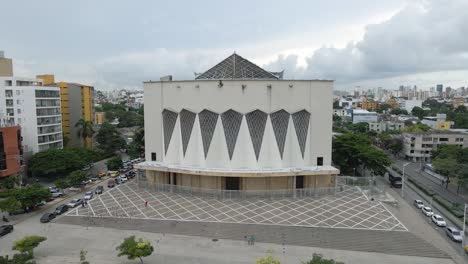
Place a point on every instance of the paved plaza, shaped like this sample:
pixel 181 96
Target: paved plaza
pixel 349 209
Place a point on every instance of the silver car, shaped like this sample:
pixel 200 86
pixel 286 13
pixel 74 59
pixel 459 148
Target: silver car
pixel 454 234
pixel 419 204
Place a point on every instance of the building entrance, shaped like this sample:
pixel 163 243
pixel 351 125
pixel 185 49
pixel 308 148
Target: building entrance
pixel 299 182
pixel 232 183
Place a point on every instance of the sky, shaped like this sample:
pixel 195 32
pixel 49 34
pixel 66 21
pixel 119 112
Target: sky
pixel 116 44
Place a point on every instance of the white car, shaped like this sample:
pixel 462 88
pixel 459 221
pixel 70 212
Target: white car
pixel 427 211
pixel 88 196
pixel 419 204
pixel 74 203
pixel 123 178
pixel 454 234
pixel 438 220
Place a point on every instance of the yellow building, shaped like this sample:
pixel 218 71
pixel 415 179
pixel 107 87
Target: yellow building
pixel 77 103
pixel 99 118
pixel 369 104
pixel 393 103
pixel 6 66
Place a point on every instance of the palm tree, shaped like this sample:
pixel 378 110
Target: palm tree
pixel 86 129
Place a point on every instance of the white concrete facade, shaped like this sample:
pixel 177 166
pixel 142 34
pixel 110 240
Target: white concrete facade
pixel 36 108
pixel 361 115
pixel 242 96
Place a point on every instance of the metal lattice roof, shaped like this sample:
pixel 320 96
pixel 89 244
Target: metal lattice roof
pixel 236 67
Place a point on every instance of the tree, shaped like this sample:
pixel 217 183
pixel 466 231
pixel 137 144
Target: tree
pixel 114 163
pixel 318 259
pixel 83 257
pixel 9 182
pixel 76 178
pixel 10 205
pixel 399 111
pixel 352 150
pixel 461 109
pixel 361 127
pixel 383 107
pixel 419 112
pixel 134 249
pixel 56 162
pixel 109 139
pixel 268 259
pixel 417 128
pixel 137 148
pixel 62 184
pixel 462 176
pixel 28 244
pixel 446 167
pixel 85 129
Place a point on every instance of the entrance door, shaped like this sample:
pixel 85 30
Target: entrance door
pixel 299 182
pixel 232 183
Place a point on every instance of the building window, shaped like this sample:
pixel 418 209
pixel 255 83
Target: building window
pixel 320 161
pixel 153 156
pixel 8 93
pixel 443 139
pixel 18 92
pixel 411 151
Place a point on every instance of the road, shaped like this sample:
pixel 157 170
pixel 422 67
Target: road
pixel 409 196
pixel 430 182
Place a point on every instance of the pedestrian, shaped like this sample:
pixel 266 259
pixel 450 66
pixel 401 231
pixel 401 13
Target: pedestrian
pixel 82 203
pixel 251 240
pixel 146 203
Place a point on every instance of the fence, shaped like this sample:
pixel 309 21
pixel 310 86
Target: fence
pixel 368 185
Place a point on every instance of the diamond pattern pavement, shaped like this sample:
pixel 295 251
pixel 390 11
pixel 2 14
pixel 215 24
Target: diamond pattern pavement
pixel 349 209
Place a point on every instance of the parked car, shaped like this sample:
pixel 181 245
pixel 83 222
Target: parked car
pixel 419 204
pixel 61 209
pixel 93 178
pixel 454 234
pixel 123 178
pixel 57 194
pixel 88 196
pixel 396 184
pixel 427 211
pixel 5 229
pixel 110 183
pixel 47 217
pixel 99 189
pixel 118 180
pixel 53 189
pixel 113 173
pixel 438 220
pixel 74 203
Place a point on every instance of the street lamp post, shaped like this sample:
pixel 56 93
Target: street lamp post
pixel 464 223
pixel 403 180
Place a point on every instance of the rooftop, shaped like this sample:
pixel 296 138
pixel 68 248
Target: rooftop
pixel 236 67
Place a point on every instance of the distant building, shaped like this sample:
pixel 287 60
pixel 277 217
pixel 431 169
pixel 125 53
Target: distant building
pixel 361 115
pixel 6 66
pixel 408 105
pixel 99 118
pixel 438 122
pixel 36 108
pixel 393 103
pixel 440 88
pixel 369 104
pixel 77 103
pixel 384 126
pixel 342 112
pixel 458 101
pixel 418 146
pixel 11 151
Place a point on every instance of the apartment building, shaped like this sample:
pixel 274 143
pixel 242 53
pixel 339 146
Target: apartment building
pixel 36 108
pixel 361 115
pixel 418 146
pixel 77 102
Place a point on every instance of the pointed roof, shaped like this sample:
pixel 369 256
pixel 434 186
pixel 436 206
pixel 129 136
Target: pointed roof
pixel 236 67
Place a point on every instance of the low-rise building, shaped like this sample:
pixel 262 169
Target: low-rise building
pixel 369 104
pixel 438 122
pixel 99 118
pixel 384 126
pixel 408 105
pixel 418 146
pixel 361 115
pixel 11 151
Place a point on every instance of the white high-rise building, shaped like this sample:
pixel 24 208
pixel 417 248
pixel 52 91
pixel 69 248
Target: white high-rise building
pixel 36 108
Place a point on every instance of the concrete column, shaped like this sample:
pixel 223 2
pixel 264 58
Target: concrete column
pixel 171 179
pixel 294 187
